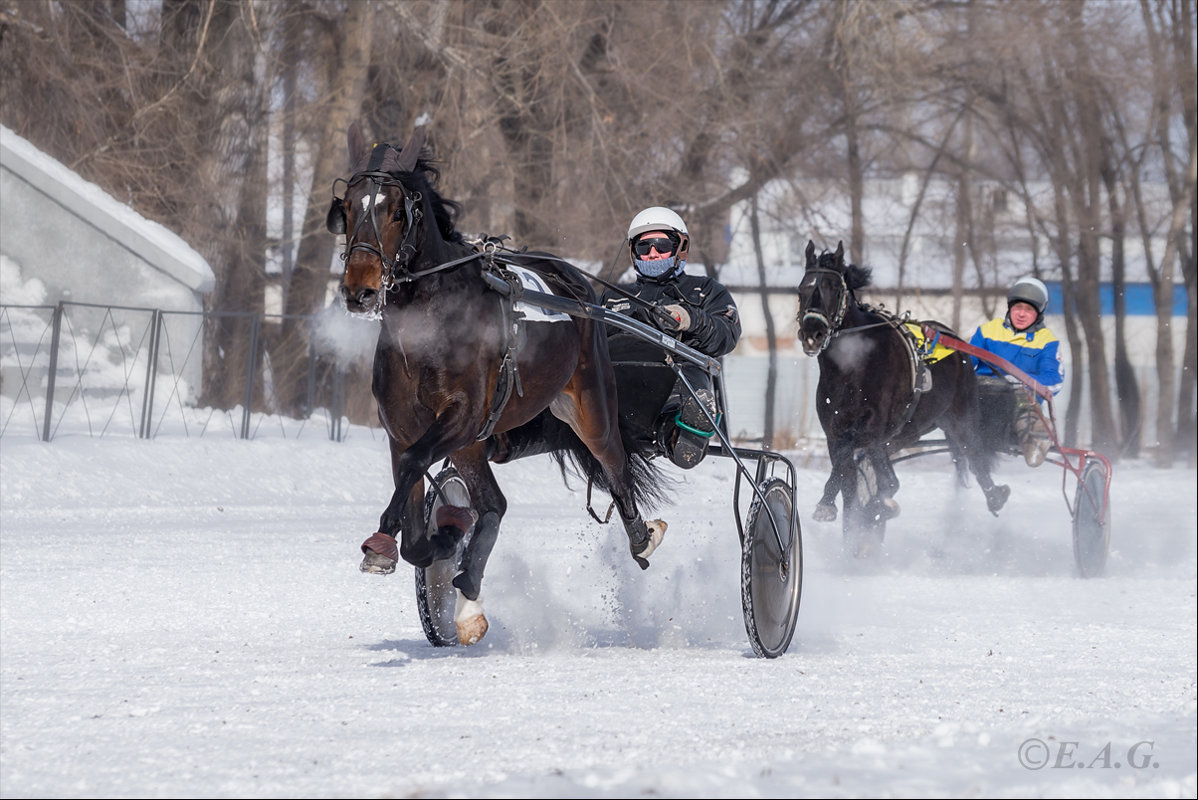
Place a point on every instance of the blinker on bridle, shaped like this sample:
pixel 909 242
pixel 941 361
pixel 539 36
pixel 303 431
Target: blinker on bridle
pixel 832 323
pixel 395 268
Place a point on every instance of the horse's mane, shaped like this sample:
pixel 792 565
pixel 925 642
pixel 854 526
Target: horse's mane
pixel 855 277
pixel 423 179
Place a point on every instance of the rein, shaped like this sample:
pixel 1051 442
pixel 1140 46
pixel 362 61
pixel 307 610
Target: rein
pixel 652 307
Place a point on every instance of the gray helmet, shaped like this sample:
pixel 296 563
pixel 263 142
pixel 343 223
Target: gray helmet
pixel 1031 291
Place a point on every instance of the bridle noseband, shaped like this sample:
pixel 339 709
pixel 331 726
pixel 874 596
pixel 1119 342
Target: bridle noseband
pixel 395 267
pixel 833 322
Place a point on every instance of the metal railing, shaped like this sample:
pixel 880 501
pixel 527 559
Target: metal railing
pixel 98 370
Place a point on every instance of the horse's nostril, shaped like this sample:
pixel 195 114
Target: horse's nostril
pixel 358 299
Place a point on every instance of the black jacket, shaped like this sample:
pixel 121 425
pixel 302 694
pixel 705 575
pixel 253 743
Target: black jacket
pixel 715 323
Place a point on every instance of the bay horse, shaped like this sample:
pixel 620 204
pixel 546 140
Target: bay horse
pixel 458 362
pixel 878 394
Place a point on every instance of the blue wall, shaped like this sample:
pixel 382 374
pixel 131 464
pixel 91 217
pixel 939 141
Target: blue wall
pixel 1138 297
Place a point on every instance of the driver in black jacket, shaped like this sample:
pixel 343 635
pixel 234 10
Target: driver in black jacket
pixel 704 317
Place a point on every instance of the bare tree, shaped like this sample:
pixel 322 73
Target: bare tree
pixel 556 121
pixel 1170 29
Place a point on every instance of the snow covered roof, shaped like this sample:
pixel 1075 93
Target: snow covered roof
pixel 152 242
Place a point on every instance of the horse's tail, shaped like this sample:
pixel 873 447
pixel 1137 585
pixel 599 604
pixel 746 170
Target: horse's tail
pixel 649 481
pixel 548 434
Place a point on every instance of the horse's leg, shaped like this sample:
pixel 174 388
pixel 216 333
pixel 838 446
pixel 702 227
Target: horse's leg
pixel 966 447
pixel 888 483
pixel 588 404
pixel 489 505
pixel 963 430
pixel 825 509
pixel 380 552
pixel 448 434
pixel 867 506
pixel 840 453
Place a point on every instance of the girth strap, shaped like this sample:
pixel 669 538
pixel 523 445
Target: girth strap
pixel 509 365
pixel 915 361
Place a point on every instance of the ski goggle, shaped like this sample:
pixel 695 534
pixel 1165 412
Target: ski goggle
pixel 663 245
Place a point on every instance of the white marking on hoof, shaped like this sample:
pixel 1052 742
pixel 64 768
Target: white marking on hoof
pixel 469 620
pixel 657 532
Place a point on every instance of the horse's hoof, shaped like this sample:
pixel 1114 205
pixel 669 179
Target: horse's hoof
pixel 460 517
pixel 380 554
pixel 825 512
pixel 376 564
pixel 996 498
pixel 469 620
pixel 471 630
pixel 644 548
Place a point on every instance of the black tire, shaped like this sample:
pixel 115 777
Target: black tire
pixel 436 596
pixel 1091 520
pixel 771 577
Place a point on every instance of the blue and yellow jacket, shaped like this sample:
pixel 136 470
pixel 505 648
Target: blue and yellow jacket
pixel 1036 351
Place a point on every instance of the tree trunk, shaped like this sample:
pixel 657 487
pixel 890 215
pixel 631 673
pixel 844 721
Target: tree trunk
pixel 771 379
pixel 1166 432
pixel 312 275
pixel 1127 389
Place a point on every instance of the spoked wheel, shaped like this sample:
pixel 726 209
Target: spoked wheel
pixel 436 596
pixel 1091 520
pixel 771 570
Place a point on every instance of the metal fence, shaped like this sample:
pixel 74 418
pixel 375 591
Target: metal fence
pixel 117 371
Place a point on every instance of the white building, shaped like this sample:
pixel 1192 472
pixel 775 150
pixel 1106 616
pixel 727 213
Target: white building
pixel 65 240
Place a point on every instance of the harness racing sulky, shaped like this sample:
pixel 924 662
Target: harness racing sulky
pixel 885 382
pixel 486 355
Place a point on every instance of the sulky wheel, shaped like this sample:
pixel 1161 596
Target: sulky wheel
pixel 1091 520
pixel 771 570
pixel 436 596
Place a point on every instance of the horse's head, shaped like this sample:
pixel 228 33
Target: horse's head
pixel 383 212
pixel 824 295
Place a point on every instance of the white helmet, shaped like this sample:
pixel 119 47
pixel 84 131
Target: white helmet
pixel 659 218
pixel 1031 291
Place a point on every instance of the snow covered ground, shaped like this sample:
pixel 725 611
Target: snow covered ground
pixel 185 618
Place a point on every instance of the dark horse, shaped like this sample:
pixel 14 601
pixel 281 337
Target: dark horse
pixel 877 395
pixel 458 361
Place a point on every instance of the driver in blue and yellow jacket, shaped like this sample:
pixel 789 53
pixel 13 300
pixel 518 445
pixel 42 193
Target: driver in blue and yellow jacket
pixel 1022 338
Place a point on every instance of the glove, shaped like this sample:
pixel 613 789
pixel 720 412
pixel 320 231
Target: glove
pixel 680 315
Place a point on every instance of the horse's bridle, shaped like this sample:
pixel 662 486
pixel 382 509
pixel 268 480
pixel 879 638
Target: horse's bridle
pixel 395 267
pixel 831 323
